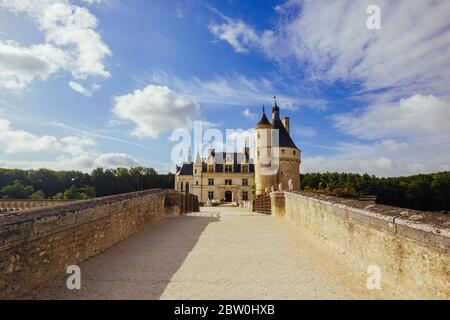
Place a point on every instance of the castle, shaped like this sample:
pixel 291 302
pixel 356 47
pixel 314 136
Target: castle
pixel 229 177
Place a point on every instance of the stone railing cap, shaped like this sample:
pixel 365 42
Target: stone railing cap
pixel 410 217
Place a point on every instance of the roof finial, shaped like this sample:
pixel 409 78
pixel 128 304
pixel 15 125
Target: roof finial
pixel 264 108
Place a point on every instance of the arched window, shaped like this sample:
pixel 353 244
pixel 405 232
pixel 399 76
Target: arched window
pixel 181 185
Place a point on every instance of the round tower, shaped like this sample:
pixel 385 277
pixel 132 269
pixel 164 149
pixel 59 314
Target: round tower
pixel 287 153
pixel 265 176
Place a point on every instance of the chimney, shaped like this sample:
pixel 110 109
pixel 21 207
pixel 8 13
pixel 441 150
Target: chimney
pixel 286 124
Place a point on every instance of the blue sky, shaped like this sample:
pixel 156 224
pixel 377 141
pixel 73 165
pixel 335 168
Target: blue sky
pixel 105 82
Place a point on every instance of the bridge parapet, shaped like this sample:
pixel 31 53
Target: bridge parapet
pixel 39 244
pixel 18 205
pixel 410 248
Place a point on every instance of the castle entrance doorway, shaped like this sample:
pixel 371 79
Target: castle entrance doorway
pixel 228 196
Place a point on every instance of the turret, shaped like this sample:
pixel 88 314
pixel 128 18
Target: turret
pixel 264 175
pixel 277 159
pixel 286 152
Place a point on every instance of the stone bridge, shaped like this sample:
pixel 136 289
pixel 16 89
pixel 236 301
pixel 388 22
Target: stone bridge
pixel 156 244
pixel 18 205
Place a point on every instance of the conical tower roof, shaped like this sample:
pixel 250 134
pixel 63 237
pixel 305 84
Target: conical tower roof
pixel 263 122
pixel 285 139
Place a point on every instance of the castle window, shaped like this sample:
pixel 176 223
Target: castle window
pixel 195 171
pixel 245 182
pixel 244 168
pixel 228 168
pixel 259 153
pixel 181 186
pixel 210 168
pixel 210 182
pixel 228 182
pixel 282 151
pixel 245 195
pixel 210 195
pixel 294 152
pixel 196 183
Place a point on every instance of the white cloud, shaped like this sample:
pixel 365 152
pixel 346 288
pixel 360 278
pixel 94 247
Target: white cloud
pixel 114 160
pixel 404 138
pixel 247 113
pixel 234 90
pixel 80 89
pixel 19 66
pixel 392 145
pixel 76 145
pixel 92 161
pixel 19 141
pixel 71 44
pixel 69 152
pixel 239 35
pixel 376 158
pixel 156 109
pixel 416 116
pixel 94 1
pixel 328 40
pixel 14 141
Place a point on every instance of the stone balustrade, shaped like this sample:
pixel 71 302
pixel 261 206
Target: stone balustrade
pixel 39 244
pixel 18 205
pixel 411 249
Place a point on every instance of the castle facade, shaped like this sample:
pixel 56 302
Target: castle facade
pixel 229 177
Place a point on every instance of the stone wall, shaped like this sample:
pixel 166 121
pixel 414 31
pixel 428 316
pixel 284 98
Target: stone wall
pixel 17 205
pixel 39 244
pixel 411 248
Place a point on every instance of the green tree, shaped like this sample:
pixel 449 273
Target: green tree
pixel 72 193
pixel 17 191
pixel 38 195
pixel 87 192
pixel 59 196
pixel 254 190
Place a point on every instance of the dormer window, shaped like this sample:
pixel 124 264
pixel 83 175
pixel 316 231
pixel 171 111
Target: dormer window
pixel 244 168
pixel 228 168
pixel 210 168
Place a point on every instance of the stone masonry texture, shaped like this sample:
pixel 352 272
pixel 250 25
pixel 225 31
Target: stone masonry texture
pixel 39 244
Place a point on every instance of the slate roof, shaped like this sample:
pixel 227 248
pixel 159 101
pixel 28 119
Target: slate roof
pixel 285 140
pixel 263 122
pixel 187 168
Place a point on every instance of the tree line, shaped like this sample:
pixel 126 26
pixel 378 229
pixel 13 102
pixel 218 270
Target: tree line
pixel 430 192
pixel 426 192
pixel 49 184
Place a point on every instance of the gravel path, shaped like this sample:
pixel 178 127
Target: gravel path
pixel 219 253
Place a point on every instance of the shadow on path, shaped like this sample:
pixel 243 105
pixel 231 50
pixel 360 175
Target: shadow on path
pixel 137 268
